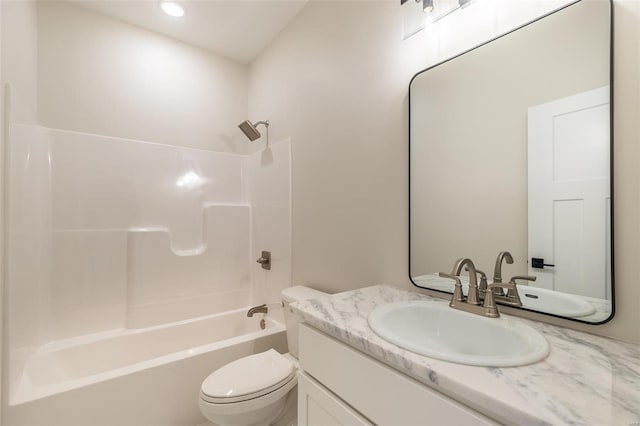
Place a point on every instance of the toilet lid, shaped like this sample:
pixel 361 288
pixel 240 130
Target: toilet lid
pixel 248 375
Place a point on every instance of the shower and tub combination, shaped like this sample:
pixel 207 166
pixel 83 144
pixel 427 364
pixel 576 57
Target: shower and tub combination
pixel 126 289
pixel 134 212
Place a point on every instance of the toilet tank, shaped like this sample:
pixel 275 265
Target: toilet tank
pixel 290 295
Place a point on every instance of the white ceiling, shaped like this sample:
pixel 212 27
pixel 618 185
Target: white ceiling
pixel 237 29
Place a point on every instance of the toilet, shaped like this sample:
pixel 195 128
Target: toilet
pixel 258 389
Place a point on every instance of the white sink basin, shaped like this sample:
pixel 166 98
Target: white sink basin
pixel 554 302
pixel 435 330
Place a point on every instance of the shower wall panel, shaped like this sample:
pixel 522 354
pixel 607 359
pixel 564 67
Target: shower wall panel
pixel 164 284
pixel 103 182
pixel 108 233
pixel 269 192
pixel 28 244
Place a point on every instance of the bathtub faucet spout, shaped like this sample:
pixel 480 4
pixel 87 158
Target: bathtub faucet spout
pixel 262 309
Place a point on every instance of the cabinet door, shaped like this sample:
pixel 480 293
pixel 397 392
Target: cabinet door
pixel 317 406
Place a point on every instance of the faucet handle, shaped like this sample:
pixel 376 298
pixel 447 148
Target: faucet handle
pixel 522 277
pixel 513 293
pixel 457 292
pixel 489 302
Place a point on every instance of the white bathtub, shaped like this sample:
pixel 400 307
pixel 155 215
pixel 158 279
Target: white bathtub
pixel 140 377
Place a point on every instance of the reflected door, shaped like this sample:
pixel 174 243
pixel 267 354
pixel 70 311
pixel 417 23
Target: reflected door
pixel 569 193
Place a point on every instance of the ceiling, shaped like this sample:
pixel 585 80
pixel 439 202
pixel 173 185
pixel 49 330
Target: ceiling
pixel 237 29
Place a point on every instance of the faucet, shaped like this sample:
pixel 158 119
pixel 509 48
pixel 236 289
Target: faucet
pixel 492 292
pixel 482 285
pixel 511 297
pixel 262 309
pixel 472 294
pixel 497 271
pixel 472 302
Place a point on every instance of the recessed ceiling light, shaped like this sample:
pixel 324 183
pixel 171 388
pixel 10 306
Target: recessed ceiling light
pixel 172 9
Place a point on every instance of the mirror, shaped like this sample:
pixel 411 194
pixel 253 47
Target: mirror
pixel 510 150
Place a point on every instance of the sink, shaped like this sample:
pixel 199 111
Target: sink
pixel 554 302
pixel 435 330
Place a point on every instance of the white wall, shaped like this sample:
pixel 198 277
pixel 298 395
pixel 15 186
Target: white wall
pixel 20 57
pixel 340 73
pixel 102 76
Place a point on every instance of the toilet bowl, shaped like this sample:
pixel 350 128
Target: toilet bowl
pixel 258 389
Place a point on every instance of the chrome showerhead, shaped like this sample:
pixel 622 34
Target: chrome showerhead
pixel 249 129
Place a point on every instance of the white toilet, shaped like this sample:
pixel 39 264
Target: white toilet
pixel 258 389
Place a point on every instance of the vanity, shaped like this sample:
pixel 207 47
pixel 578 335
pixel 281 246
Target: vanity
pixel 349 375
pixel 509 155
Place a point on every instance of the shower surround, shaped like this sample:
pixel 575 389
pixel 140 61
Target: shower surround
pixel 109 238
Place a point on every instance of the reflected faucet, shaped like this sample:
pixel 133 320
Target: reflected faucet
pixel 497 272
pixel 511 297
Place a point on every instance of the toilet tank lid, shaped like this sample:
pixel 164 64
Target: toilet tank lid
pixel 299 292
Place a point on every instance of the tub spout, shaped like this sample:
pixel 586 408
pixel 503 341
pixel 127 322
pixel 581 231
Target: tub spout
pixel 262 309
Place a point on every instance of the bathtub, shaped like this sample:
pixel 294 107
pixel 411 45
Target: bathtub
pixel 139 377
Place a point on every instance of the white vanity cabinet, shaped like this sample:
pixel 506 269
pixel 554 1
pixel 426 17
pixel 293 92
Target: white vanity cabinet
pixel 317 406
pixel 339 385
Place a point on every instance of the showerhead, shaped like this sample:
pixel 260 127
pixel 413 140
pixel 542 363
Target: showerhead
pixel 249 129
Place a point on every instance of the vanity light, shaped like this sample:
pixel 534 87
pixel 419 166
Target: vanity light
pixel 172 9
pixel 427 6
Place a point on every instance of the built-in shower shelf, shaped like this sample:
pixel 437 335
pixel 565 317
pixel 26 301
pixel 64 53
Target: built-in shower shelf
pixel 208 222
pixel 157 273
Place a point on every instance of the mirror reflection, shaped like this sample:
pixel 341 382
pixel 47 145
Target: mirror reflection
pixel 510 152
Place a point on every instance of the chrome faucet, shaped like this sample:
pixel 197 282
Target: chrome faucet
pixel 262 309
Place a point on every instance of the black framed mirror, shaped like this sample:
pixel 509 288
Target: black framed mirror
pixel 510 149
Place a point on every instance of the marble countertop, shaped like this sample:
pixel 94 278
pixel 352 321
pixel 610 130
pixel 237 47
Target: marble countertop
pixel 586 379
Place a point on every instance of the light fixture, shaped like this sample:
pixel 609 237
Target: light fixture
pixel 172 9
pixel 427 6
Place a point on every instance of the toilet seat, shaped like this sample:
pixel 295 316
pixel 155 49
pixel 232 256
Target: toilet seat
pixel 249 378
pixel 247 397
